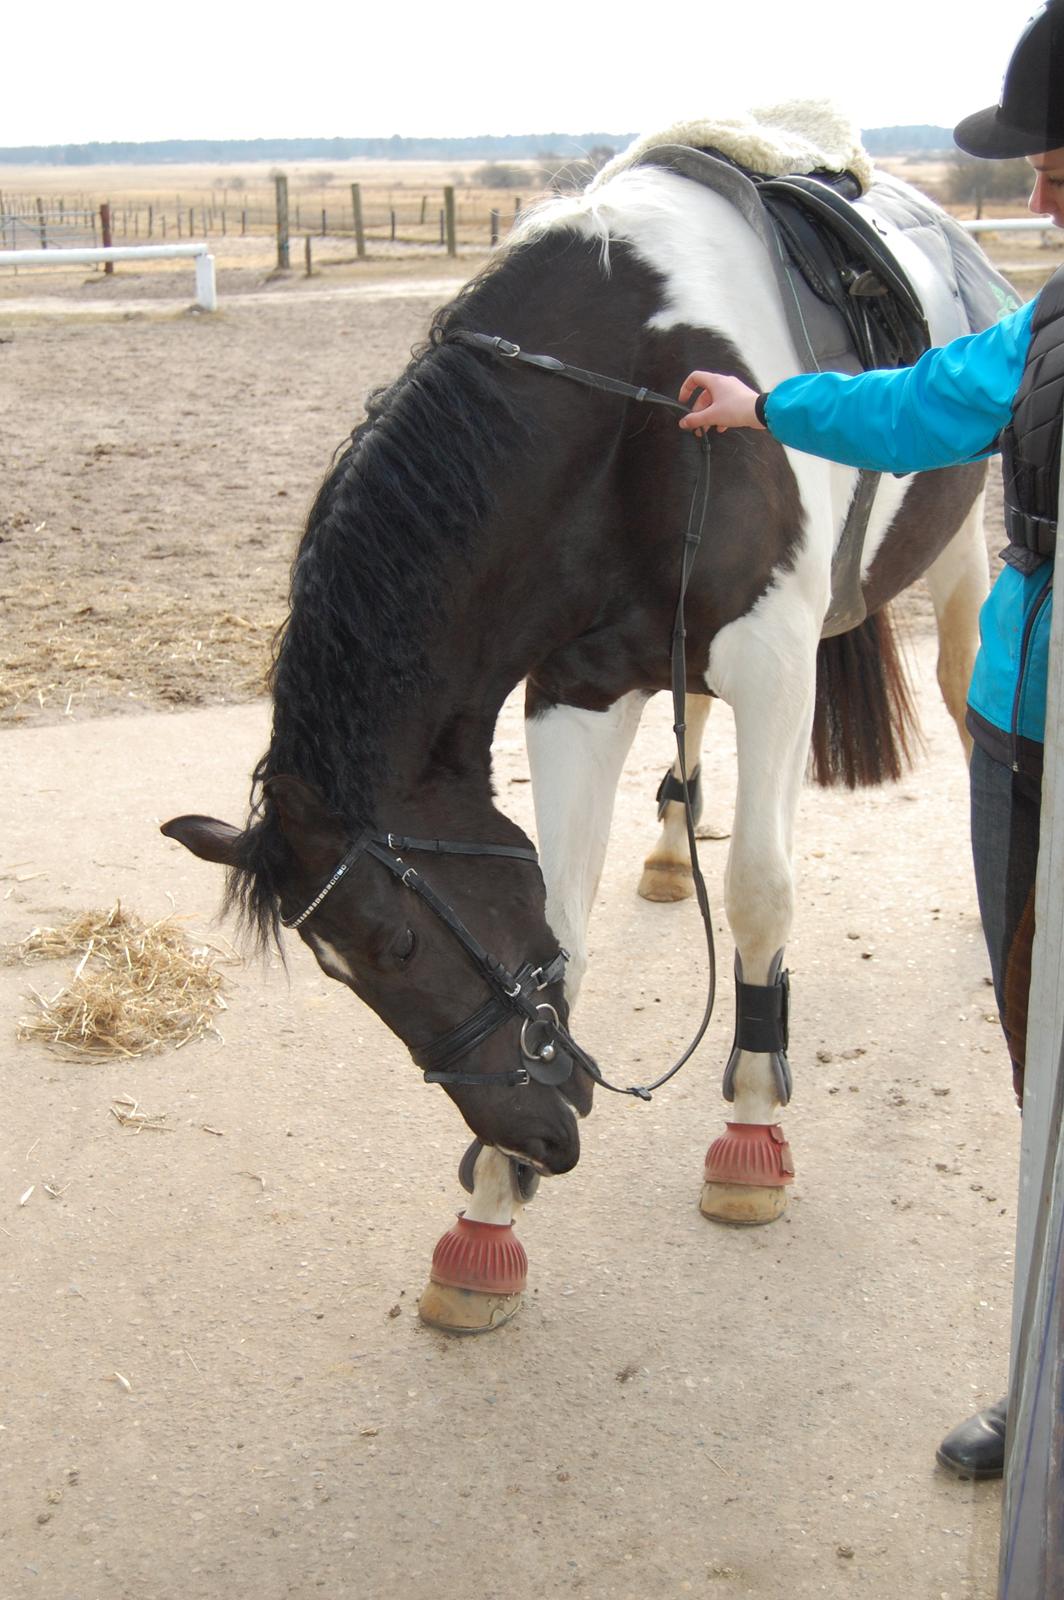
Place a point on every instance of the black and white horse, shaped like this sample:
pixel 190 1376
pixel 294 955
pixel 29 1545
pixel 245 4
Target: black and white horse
pixel 490 523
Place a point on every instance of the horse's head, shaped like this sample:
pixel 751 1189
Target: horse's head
pixel 390 944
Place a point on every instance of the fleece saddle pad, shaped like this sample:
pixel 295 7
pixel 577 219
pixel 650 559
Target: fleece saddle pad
pixel 867 279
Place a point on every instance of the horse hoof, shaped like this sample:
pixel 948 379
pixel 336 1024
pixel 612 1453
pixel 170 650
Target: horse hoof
pixel 666 881
pixel 742 1205
pixel 465 1310
pixel 746 1171
pixel 478 1272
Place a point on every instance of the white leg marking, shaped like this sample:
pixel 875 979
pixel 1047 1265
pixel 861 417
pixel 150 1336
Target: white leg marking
pixel 493 1198
pixel 576 758
pixel 764 665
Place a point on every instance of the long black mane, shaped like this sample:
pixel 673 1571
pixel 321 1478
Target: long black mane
pixel 402 505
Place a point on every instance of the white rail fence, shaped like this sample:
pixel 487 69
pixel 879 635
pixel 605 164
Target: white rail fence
pixel 206 289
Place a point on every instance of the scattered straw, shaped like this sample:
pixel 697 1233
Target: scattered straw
pixel 136 986
pixel 127 1111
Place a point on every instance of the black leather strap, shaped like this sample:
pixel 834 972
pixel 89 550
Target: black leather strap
pixel 494 345
pixel 454 847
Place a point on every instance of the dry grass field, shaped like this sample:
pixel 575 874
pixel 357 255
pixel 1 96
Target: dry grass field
pixel 234 203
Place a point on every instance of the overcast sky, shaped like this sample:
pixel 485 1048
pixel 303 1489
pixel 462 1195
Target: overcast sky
pixel 132 69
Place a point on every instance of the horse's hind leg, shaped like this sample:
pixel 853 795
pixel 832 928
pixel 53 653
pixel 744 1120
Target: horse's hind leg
pixel 958 581
pixel 765 666
pixel 667 869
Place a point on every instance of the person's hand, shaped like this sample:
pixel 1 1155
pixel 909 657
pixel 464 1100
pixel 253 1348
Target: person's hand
pixel 725 402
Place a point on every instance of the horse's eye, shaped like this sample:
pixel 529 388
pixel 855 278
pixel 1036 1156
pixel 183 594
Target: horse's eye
pixel 404 946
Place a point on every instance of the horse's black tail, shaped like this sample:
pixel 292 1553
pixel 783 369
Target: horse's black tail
pixel 865 727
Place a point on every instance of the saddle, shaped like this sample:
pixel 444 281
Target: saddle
pixel 867 278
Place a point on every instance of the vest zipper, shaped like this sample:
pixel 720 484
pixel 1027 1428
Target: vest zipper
pixel 1025 644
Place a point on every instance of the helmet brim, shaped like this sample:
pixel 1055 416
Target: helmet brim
pixel 986 134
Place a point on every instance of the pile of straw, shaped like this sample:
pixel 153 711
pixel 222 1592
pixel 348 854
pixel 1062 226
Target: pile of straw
pixel 136 987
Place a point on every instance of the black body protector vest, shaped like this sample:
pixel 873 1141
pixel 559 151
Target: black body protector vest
pixel 1030 443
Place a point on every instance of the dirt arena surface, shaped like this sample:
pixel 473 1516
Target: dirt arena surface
pixel 678 1408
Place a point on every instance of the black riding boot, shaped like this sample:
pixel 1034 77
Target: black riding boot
pixel 976 1448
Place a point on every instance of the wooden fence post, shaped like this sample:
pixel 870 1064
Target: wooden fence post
pixel 105 234
pixel 281 186
pixel 494 227
pixel 360 232
pixel 306 257
pixel 448 210
pixel 392 216
pixel 424 204
pixel 324 222
pixel 41 228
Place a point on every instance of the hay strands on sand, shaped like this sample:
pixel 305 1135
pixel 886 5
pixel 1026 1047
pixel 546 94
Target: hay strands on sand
pixel 136 986
pixel 127 1111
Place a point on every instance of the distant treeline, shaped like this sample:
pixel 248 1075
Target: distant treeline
pixel 912 140
pixel 486 147
pixel 482 148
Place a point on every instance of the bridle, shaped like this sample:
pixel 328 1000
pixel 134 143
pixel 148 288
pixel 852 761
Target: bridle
pixel 542 1031
pixel 546 1044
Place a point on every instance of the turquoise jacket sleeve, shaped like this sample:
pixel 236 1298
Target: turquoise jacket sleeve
pixel 947 408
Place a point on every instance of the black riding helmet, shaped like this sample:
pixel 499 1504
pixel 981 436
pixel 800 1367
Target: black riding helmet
pixel 1029 118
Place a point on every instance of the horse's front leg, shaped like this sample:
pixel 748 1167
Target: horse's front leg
pixel 765 666
pixel 479 1266
pixel 667 869
pixel 575 758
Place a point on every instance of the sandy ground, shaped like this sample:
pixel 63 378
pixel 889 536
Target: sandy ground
pixel 678 1408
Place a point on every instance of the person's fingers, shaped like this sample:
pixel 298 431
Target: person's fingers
pixel 692 383
pixel 697 421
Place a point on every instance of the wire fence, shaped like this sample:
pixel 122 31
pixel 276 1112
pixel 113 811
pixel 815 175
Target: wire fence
pixel 388 215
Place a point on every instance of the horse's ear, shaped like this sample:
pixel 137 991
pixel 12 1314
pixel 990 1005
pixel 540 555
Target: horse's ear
pixel 302 810
pixel 206 837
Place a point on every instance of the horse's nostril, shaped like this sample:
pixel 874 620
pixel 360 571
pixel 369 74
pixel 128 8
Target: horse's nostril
pixel 553 1155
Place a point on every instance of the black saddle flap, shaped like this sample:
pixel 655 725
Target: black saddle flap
pixel 846 264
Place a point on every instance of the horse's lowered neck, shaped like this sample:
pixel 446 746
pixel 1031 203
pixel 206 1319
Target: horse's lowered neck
pixel 438 775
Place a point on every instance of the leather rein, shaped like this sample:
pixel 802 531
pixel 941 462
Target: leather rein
pixel 546 1044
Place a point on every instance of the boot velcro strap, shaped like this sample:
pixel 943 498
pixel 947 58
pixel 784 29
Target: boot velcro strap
pixel 671 788
pixel 761 1014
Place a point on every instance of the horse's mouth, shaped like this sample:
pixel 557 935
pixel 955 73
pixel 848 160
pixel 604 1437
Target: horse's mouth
pixel 529 1161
